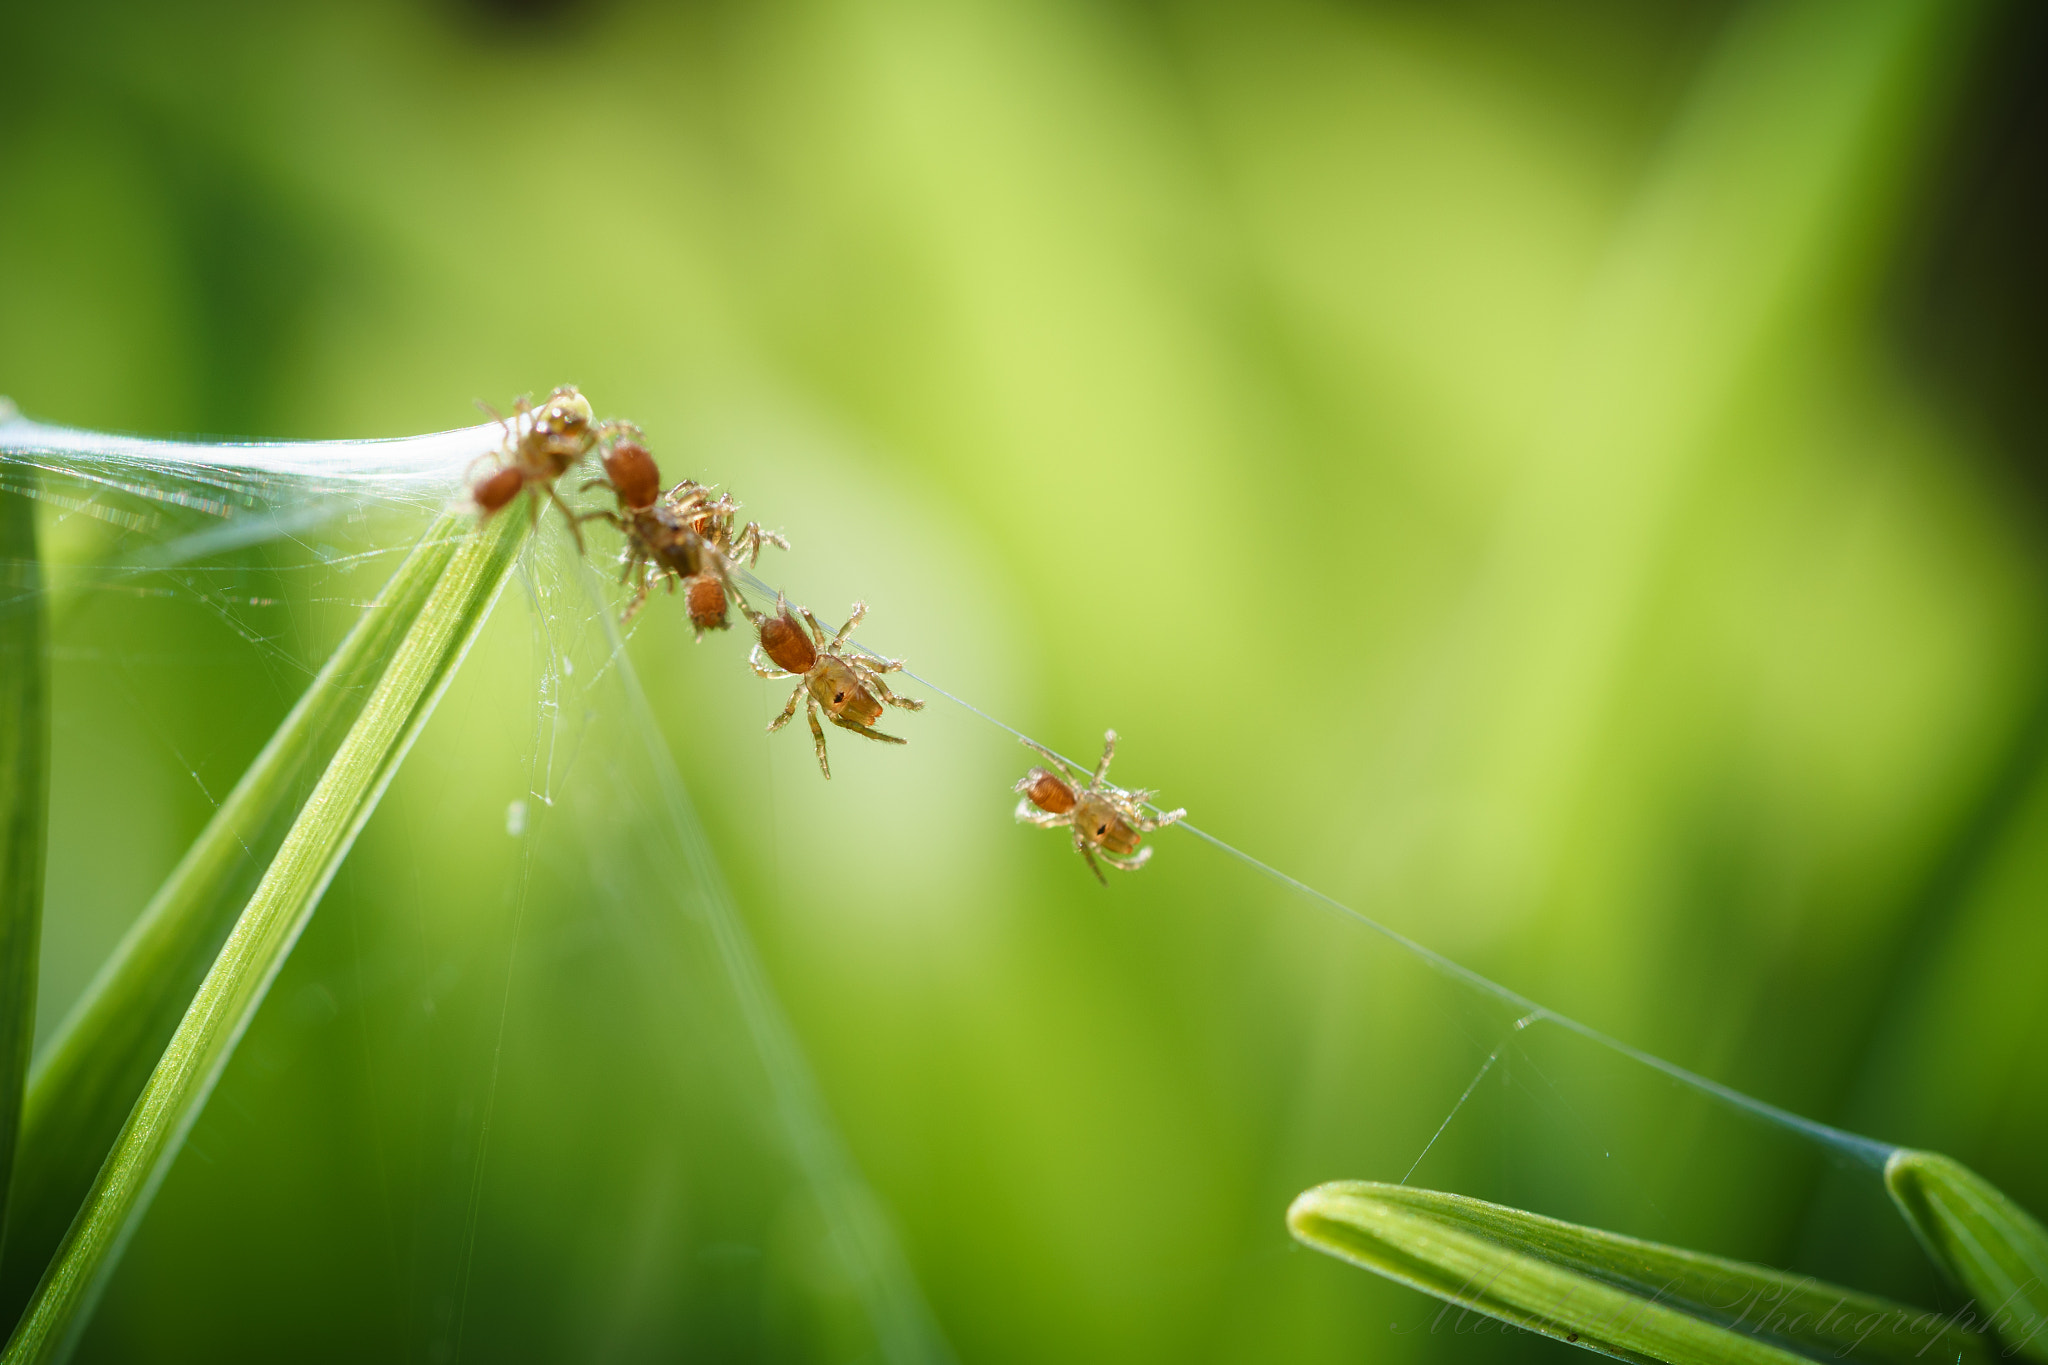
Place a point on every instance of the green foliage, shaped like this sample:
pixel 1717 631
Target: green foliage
pixel 89 1073
pixel 436 639
pixel 1627 1298
pixel 24 812
pixel 1480 456
pixel 1992 1248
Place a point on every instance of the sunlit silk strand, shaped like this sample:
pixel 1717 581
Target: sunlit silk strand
pixel 1865 1150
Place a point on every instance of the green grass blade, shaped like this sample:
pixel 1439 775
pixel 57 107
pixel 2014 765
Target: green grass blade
pixel 24 813
pixel 85 1082
pixel 262 938
pixel 1631 1299
pixel 1992 1247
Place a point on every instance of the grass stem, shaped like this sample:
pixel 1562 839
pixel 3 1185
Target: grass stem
pixel 1993 1249
pixel 1620 1296
pixel 326 826
pixel 24 816
pixel 85 1082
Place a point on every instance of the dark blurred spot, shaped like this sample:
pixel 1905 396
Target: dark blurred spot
pixel 517 19
pixel 1972 309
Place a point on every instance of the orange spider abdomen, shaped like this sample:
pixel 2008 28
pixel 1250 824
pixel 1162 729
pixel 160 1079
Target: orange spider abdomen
pixel 704 595
pixel 633 473
pixel 783 640
pixel 495 490
pixel 1047 792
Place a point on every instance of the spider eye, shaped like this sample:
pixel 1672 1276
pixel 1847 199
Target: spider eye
pixel 1102 829
pixel 838 697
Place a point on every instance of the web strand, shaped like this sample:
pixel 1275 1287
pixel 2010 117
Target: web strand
pixel 1864 1150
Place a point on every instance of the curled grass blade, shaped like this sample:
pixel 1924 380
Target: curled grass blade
pixel 1627 1298
pixel 1994 1249
pixel 85 1082
pixel 24 813
pixel 326 826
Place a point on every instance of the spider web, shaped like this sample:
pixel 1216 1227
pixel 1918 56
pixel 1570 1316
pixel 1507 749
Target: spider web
pixel 193 591
pixel 533 1011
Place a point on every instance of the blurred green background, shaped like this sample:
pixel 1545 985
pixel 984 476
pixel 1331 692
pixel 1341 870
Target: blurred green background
pixel 1564 479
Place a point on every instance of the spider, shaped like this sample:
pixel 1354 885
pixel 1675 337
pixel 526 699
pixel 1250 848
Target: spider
pixel 1104 818
pixel 683 537
pixel 846 685
pixel 540 445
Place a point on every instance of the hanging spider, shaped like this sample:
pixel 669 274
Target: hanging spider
pixel 541 443
pixel 846 685
pixel 684 537
pixel 1104 819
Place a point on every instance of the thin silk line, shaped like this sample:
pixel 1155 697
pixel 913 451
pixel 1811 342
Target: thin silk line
pixel 1868 1151
pixel 1484 1067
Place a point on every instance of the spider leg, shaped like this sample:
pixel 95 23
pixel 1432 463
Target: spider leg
pixel 639 601
pixel 1108 752
pixel 817 731
pixel 497 417
pixel 1126 864
pixel 824 636
pixel 860 609
pixel 859 729
pixel 521 405
pixel 1058 763
pixel 575 531
pixel 1029 814
pixel 1148 823
pixel 756 618
pixel 787 712
pixel 771 674
pixel 882 690
pixel 1081 847
pixel 753 540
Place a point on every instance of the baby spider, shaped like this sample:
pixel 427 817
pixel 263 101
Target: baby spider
pixel 683 537
pixel 845 684
pixel 710 521
pixel 541 443
pixel 1104 818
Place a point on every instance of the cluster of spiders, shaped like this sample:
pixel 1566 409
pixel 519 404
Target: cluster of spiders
pixel 685 538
